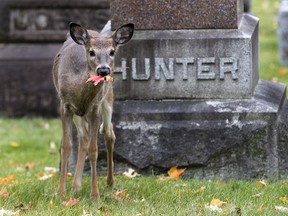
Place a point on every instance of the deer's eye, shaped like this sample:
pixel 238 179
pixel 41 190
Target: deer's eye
pixel 92 53
pixel 112 52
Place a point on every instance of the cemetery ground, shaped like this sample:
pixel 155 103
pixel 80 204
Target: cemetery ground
pixel 27 187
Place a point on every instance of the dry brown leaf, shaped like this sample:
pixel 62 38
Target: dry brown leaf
pixel 4 193
pixel 260 208
pixel 120 194
pixel 71 202
pixel 29 165
pixel 284 199
pixel 6 180
pixel 14 144
pixel 261 183
pixel 175 173
pixel 256 195
pixel 217 202
pixel 24 208
pixel 283 71
pixel 202 188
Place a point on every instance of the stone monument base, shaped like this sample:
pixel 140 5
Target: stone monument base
pixel 211 138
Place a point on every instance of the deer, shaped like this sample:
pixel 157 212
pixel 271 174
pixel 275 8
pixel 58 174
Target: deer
pixel 85 100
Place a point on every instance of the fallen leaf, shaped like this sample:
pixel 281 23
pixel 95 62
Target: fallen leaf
pixel 175 173
pixel 14 144
pixel 71 202
pixel 202 188
pixel 52 149
pixel 256 195
pixel 283 71
pixel 284 199
pixel 45 177
pixel 103 211
pixel 131 173
pixel 6 180
pixel 4 193
pixel 8 212
pixel 48 173
pixel 261 183
pixel 23 208
pixel 281 209
pixel 260 208
pixel 214 208
pixel 51 202
pixel 45 125
pixel 51 170
pixel 85 214
pixel 120 195
pixel 29 165
pixel 139 201
pixel 217 202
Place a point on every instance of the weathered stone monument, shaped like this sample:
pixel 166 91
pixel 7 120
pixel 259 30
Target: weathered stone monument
pixel 283 32
pixel 189 94
pixel 31 32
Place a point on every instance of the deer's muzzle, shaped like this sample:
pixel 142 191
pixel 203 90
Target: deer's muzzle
pixel 103 71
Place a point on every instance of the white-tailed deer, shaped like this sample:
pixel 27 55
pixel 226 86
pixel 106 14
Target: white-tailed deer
pixel 85 55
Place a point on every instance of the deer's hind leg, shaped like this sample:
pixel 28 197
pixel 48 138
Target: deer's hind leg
pixel 66 146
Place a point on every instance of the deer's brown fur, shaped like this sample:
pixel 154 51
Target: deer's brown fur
pixel 84 54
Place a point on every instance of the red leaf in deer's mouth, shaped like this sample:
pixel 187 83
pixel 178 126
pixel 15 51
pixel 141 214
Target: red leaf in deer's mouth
pixel 95 79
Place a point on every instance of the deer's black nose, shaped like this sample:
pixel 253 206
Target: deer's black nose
pixel 103 71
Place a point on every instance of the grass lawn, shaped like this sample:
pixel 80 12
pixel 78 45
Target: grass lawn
pixel 25 152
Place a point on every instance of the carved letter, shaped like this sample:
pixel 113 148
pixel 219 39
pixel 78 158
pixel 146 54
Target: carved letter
pixel 203 69
pixel 137 76
pixel 228 64
pixel 185 62
pixel 167 71
pixel 123 69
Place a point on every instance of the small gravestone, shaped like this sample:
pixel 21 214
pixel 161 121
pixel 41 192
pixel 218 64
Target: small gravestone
pixel 188 92
pixel 31 33
pixel 283 32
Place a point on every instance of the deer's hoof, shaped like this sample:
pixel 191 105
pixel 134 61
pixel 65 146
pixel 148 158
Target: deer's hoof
pixel 94 196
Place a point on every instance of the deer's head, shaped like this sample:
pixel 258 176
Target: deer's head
pixel 100 49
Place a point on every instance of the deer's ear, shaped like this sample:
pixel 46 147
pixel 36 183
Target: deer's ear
pixel 123 34
pixel 79 34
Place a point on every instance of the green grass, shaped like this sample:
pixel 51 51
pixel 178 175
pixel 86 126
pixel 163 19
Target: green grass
pixel 27 140
pixel 145 195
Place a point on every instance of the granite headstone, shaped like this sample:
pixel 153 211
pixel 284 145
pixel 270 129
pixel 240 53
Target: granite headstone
pixel 189 93
pixel 283 32
pixel 31 32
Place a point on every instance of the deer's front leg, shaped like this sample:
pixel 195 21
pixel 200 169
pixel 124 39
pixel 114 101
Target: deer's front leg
pixel 107 130
pixel 67 123
pixel 93 152
pixel 81 126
